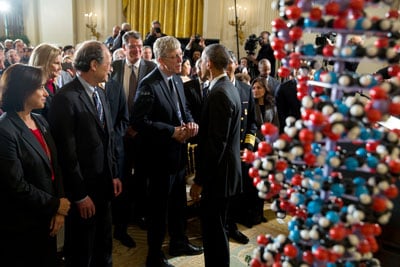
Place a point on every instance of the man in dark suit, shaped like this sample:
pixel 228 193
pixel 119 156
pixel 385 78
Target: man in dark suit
pixel 239 209
pixel 218 176
pixel 82 126
pixel 161 117
pixel 129 72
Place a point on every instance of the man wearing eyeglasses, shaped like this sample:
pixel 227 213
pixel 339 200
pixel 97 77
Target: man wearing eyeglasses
pixel 160 115
pixel 129 72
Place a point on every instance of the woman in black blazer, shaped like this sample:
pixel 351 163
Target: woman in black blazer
pixel 31 193
pixel 265 106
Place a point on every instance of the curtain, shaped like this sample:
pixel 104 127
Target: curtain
pixel 179 18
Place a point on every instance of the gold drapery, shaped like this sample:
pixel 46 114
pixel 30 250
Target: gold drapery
pixel 179 18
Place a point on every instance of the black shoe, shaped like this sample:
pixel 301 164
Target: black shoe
pixel 186 249
pixel 160 262
pixel 239 237
pixel 125 239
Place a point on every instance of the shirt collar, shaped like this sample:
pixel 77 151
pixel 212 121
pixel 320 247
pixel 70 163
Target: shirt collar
pixel 215 80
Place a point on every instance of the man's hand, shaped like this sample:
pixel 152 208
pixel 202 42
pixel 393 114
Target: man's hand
pixel 56 223
pixel 64 206
pixel 192 129
pixel 117 186
pixel 180 134
pixel 195 192
pixel 86 208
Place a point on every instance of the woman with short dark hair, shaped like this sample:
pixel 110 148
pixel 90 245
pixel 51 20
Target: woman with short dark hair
pixel 31 191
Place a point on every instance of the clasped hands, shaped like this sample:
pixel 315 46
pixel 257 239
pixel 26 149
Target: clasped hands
pixel 185 131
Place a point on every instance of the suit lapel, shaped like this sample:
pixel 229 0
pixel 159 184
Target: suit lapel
pixel 28 136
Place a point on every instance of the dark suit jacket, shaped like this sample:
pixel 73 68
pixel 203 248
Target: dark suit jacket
pixel 28 196
pixel 194 98
pixel 287 103
pixel 120 117
pixel 220 166
pixel 145 68
pixel 155 118
pixel 86 157
pixel 248 125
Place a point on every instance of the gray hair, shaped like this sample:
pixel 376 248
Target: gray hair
pixel 165 44
pixel 131 34
pixel 88 51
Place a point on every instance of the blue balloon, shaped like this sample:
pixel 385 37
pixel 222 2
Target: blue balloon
pixel 337 189
pixel 359 181
pixel 351 163
pixel 294 235
pixel 361 152
pixel 314 206
pixel 308 50
pixel 372 161
pixel 333 217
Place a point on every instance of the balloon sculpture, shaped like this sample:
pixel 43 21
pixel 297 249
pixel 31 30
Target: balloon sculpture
pixel 337 196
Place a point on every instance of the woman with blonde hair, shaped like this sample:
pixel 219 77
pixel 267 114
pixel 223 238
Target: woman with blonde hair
pixel 49 58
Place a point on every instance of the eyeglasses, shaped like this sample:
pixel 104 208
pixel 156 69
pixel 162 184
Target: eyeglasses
pixel 177 56
pixel 135 46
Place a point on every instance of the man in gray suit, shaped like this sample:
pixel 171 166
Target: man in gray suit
pixel 129 72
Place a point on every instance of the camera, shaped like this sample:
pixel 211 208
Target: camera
pixel 197 38
pixel 251 44
pixel 157 30
pixel 323 39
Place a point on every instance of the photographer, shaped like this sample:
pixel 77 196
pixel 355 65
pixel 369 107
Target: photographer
pixel 194 48
pixel 154 34
pixel 250 47
pixel 265 51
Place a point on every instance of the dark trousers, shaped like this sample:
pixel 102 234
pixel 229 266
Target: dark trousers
pixel 88 242
pixel 167 203
pixel 215 238
pixel 33 247
pixel 132 202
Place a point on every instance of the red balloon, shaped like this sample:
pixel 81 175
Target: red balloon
pixel 367 229
pixel 321 254
pixel 253 172
pixel 290 251
pixel 315 13
pixel 364 247
pixel 394 109
pixel 310 159
pixel 337 233
pixel 296 180
pixel 302 87
pixel 283 72
pixel 374 115
pixel 393 13
pixel 340 23
pixel 295 33
pixel 281 165
pixel 256 181
pixel 306 136
pixel 264 149
pixel 262 240
pixel 394 166
pixel 381 42
pixel 255 263
pixel 295 63
pixel 278 24
pixel 378 93
pixel 356 4
pixel 308 257
pixel 277 44
pixel 332 8
pixel 269 129
pixel 293 12
pixel 377 229
pixel 317 118
pixel 328 50
pixel 394 70
pixel 248 156
pixel 371 146
pixel 379 204
pixel 279 54
pixel 392 192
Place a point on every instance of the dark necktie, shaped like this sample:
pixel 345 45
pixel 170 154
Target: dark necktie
pixel 174 94
pixel 132 88
pixel 98 105
pixel 205 90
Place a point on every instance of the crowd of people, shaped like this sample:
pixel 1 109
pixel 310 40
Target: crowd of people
pixel 96 135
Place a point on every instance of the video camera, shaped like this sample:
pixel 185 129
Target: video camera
pixel 251 44
pixel 322 40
